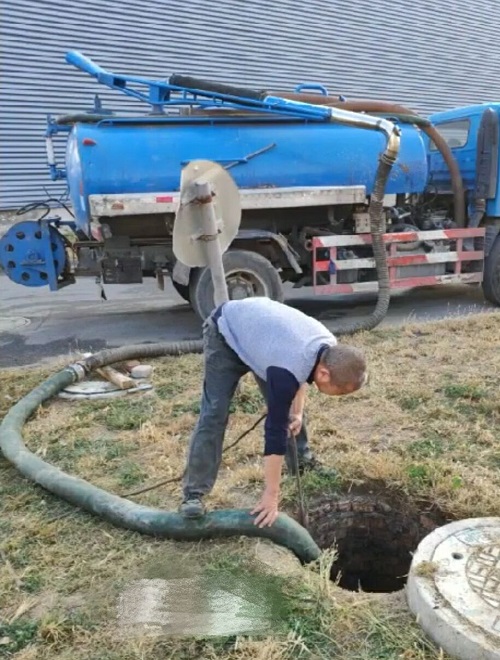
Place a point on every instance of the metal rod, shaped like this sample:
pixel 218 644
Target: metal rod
pixel 303 517
pixel 210 236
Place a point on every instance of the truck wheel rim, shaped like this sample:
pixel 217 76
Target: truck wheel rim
pixel 244 284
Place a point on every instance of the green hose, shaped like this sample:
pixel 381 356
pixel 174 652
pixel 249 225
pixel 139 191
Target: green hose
pixel 118 510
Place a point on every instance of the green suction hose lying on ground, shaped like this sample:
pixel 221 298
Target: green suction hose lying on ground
pixel 118 510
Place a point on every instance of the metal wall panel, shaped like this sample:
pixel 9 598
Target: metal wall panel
pixel 428 55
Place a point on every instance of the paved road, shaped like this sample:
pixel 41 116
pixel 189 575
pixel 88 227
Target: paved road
pixel 37 324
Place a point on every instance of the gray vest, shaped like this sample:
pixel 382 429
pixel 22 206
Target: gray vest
pixel 264 333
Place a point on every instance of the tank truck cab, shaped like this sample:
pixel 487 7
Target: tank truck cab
pixel 472 133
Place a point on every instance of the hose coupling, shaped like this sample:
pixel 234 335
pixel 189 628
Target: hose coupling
pixel 78 370
pixel 391 152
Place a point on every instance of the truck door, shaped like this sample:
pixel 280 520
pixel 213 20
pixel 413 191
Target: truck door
pixel 487 159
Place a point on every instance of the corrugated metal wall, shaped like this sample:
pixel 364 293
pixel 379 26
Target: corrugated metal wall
pixel 425 54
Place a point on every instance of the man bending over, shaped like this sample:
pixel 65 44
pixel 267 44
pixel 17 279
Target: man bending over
pixel 286 350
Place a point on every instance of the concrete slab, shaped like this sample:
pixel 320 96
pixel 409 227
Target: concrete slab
pixel 454 588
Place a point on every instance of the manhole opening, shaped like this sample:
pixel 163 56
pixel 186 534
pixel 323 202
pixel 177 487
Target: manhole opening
pixel 374 536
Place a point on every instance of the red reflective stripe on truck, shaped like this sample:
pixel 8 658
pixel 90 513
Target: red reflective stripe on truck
pixel 164 199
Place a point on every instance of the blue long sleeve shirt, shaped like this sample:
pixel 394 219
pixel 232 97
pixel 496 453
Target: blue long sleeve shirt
pixel 282 346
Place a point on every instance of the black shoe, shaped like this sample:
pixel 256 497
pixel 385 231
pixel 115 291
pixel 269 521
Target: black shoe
pixel 309 463
pixel 192 507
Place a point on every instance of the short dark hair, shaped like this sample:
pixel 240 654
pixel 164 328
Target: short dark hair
pixel 346 364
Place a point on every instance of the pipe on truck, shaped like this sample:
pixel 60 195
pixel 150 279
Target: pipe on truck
pixel 386 107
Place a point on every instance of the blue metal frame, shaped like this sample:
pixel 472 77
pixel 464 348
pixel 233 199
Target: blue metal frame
pixel 161 94
pixel 53 128
pixel 311 87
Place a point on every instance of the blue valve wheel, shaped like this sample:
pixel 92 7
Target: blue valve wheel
pixel 26 251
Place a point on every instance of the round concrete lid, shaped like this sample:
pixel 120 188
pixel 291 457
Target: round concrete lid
pixel 454 588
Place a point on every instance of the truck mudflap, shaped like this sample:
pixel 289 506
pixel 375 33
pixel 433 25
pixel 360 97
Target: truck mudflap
pixel 333 273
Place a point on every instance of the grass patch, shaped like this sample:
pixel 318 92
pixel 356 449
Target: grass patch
pixel 427 448
pixel 428 425
pixel 465 391
pixel 126 414
pixel 15 636
pixel 131 474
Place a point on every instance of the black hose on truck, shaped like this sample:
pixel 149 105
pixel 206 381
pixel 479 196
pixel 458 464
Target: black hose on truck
pixel 377 228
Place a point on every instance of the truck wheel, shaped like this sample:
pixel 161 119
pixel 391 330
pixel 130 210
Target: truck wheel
pixel 248 274
pixel 491 277
pixel 182 290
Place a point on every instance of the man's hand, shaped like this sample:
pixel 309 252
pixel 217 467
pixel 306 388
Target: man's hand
pixel 267 509
pixel 295 423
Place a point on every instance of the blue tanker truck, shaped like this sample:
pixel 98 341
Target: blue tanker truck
pixel 306 166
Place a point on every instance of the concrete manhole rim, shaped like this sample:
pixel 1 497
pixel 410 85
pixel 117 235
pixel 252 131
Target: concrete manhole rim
pixel 448 627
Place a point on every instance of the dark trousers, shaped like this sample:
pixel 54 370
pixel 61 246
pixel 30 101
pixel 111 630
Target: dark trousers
pixel 223 370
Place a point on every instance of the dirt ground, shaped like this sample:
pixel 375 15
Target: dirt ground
pixel 425 431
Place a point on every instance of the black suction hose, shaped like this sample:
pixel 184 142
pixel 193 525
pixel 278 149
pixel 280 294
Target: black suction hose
pixel 377 226
pixel 118 510
pixel 377 229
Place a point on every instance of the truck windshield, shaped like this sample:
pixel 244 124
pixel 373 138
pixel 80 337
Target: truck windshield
pixel 456 133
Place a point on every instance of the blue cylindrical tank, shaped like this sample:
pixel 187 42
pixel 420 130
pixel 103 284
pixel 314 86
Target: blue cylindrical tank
pixel 118 157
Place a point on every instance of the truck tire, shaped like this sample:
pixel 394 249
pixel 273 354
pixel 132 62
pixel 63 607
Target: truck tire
pixel 248 274
pixel 491 276
pixel 182 290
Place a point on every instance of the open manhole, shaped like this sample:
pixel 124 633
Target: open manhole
pixel 375 537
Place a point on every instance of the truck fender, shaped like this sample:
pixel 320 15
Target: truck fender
pixel 492 231
pixel 181 273
pixel 280 241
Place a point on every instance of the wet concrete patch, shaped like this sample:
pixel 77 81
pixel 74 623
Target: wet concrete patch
pixel 208 593
pixel 200 605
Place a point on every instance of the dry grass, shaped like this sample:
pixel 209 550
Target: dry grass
pixel 427 425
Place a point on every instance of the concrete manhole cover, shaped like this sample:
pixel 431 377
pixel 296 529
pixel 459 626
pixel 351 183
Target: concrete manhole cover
pixel 99 389
pixel 12 323
pixel 454 588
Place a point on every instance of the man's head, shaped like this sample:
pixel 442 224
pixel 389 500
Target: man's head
pixel 341 370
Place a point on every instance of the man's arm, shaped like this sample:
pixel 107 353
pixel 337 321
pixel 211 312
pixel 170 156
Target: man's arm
pixel 272 466
pixel 282 387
